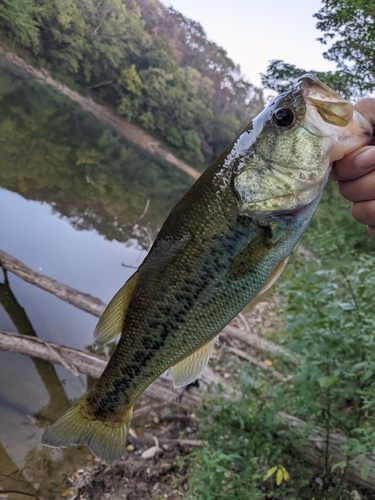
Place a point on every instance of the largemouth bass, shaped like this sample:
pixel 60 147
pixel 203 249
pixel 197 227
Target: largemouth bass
pixel 226 241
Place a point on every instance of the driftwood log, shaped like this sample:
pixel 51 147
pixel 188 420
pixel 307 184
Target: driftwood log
pixel 161 391
pixel 82 362
pixel 83 301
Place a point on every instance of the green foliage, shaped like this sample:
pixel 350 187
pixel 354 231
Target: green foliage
pixel 348 25
pixel 281 76
pixel 330 323
pixel 18 18
pixel 131 80
pixel 175 137
pixel 246 447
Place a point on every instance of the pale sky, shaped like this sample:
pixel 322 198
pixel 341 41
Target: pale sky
pixel 254 32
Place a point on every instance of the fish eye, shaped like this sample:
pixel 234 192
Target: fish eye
pixel 283 117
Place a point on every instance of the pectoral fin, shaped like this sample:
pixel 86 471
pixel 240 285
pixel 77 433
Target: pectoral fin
pixel 189 369
pixel 255 252
pixel 275 275
pixel 247 260
pixel 111 321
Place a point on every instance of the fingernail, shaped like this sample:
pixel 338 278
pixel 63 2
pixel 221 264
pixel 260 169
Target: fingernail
pixel 365 159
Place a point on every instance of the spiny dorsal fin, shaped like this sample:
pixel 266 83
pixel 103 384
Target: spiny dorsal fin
pixel 189 369
pixel 111 321
pixel 275 275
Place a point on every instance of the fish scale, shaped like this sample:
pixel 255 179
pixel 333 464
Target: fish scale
pixel 227 240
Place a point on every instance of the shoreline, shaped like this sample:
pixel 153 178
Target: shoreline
pixel 131 132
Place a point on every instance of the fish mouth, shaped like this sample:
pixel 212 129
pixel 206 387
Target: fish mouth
pixel 330 105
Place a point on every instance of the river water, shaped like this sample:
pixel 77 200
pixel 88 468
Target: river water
pixel 80 205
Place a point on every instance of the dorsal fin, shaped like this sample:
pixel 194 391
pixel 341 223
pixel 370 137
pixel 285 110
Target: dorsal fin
pixel 189 369
pixel 275 275
pixel 111 321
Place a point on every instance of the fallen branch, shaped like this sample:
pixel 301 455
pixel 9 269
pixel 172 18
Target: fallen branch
pixel 83 362
pixel 150 439
pixel 254 340
pixel 316 449
pixel 83 301
pixel 79 361
pixel 258 362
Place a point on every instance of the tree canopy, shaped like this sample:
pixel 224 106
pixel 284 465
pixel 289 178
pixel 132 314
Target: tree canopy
pixel 349 27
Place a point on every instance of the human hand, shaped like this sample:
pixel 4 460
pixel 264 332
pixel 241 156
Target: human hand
pixel 355 174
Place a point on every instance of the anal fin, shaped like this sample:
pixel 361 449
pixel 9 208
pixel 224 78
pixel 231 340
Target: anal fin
pixel 111 321
pixel 189 369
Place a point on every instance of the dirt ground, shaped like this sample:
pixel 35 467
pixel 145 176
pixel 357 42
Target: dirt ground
pixel 137 477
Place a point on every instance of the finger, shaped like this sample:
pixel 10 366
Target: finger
pixel 354 165
pixel 361 189
pixel 364 212
pixel 367 109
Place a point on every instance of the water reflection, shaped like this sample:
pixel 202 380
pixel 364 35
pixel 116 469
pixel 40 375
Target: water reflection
pixel 87 191
pixel 58 401
pixel 52 151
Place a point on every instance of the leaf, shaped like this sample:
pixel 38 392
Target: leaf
pixel 346 306
pixel 341 464
pixel 151 452
pixel 325 382
pixel 365 471
pixel 286 475
pixel 270 472
pixel 66 492
pixel 279 477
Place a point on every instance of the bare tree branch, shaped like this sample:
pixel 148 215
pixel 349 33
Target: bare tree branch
pixel 81 300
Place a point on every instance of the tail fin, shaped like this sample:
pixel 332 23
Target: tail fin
pixel 106 439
